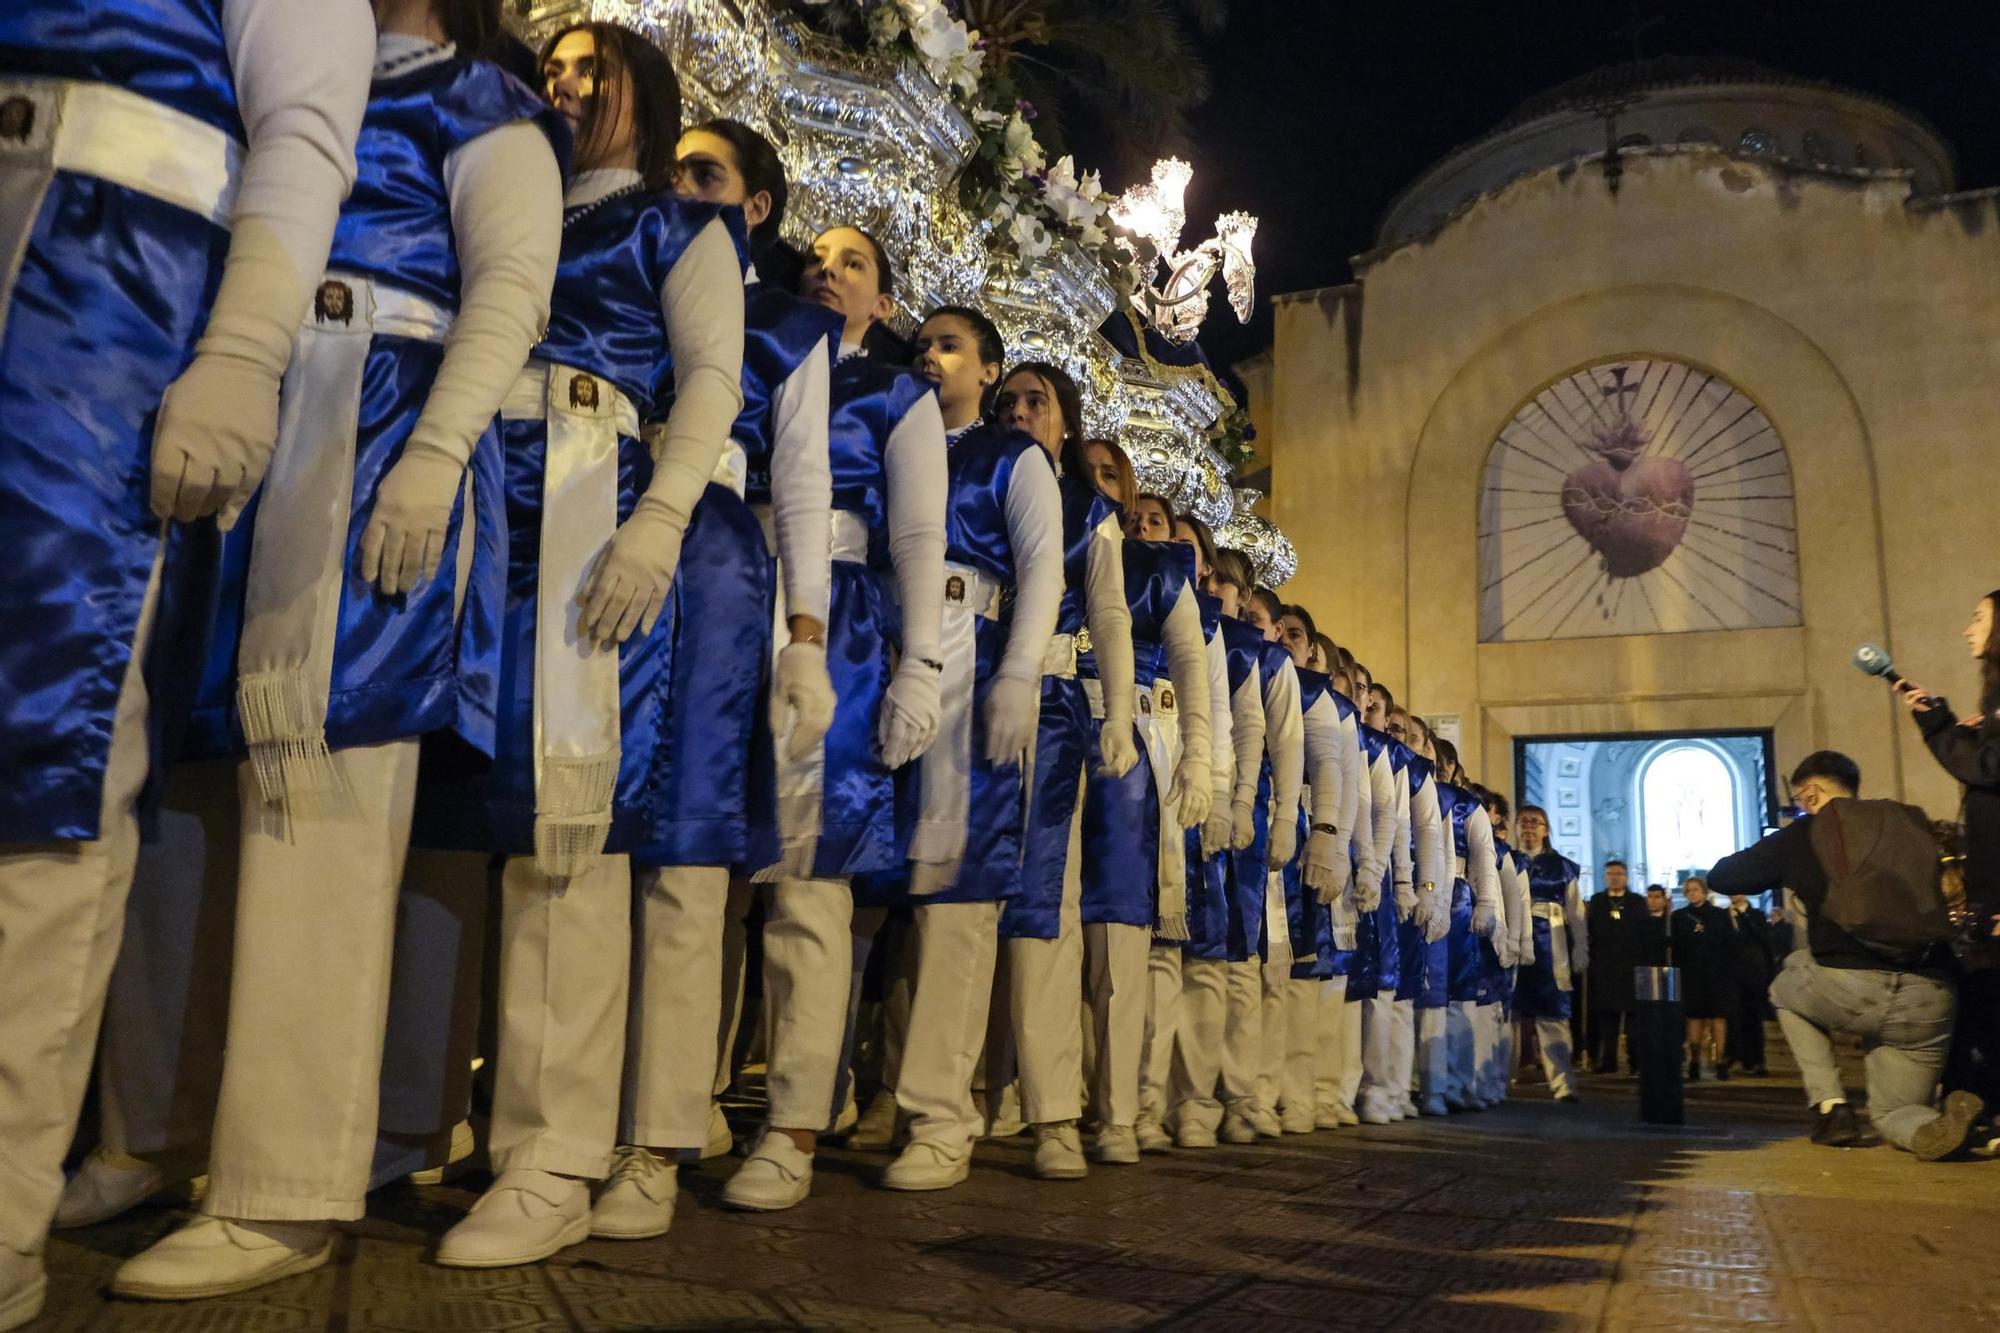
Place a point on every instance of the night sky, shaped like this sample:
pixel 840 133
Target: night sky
pixel 1325 109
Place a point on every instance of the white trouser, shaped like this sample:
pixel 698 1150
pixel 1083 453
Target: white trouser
pixel 1198 1040
pixel 1276 984
pixel 1302 1031
pixel 1378 1044
pixel 1338 1046
pixel 1045 993
pixel 1404 1053
pixel 1461 1050
pixel 62 913
pixel 565 973
pixel 1486 1074
pixel 735 976
pixel 159 1071
pixel 1119 991
pixel 1243 1036
pixel 1164 965
pixel 1503 1065
pixel 871 930
pixel 956 944
pixel 1433 1055
pixel 1552 1035
pixel 808 966
pixel 436 992
pixel 678 1014
pixel 309 996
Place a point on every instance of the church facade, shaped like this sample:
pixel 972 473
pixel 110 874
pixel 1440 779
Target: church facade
pixel 1646 411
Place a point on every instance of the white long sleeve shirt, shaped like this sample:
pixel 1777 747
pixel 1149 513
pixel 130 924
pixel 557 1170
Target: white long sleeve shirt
pixel 1520 925
pixel 1247 727
pixel 1389 819
pixel 802 484
pixel 1109 615
pixel 1325 780
pixel 1034 530
pixel 1482 868
pixel 1221 726
pixel 919 490
pixel 1285 742
pixel 1187 667
pixel 1367 869
pixel 1431 838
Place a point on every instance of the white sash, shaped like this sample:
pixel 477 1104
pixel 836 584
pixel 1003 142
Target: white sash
pixel 1160 732
pixel 298 551
pixel 802 782
pixel 938 845
pixel 1558 920
pixel 576 681
pixel 1059 659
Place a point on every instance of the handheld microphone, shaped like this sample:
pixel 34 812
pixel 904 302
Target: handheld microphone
pixel 1876 662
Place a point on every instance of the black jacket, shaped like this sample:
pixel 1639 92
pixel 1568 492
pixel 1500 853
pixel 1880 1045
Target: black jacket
pixel 1755 952
pixel 1785 859
pixel 1973 757
pixel 1617 926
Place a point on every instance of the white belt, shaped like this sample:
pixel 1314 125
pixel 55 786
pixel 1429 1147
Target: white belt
pixel 1060 657
pixel 96 129
pixel 850 536
pixel 298 551
pixel 1547 910
pixel 576 721
pixel 968 589
pixel 1461 867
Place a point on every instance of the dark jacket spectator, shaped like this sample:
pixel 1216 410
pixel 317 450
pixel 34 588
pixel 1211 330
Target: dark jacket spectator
pixel 1618 925
pixel 1705 952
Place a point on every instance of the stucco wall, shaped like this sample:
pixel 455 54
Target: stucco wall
pixel 1867 331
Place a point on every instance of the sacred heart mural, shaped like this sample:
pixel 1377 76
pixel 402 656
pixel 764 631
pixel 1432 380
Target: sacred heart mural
pixel 1636 497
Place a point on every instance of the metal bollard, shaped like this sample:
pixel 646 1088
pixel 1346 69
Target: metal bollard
pixel 1659 1035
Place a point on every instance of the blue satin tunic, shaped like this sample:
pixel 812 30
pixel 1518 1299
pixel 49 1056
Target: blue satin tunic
pixel 981 465
pixel 717 775
pixel 1376 966
pixel 1121 816
pixel 1243 651
pixel 1461 944
pixel 1426 966
pixel 1208 878
pixel 113 289
pixel 410 664
pixel 605 318
pixel 867 813
pixel 1065 736
pixel 1309 921
pixel 1537 993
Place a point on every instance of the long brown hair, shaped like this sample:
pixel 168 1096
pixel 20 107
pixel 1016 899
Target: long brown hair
pixel 1989 659
pixel 1128 484
pixel 655 91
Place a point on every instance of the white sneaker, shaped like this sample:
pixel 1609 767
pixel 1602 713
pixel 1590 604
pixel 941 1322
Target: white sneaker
pixel 1059 1152
pixel 1374 1108
pixel 777 1176
pixel 1297 1122
pixel 108 1183
pixel 524 1217
pixel 926 1166
pixel 1265 1121
pixel 1237 1128
pixel 1190 1135
pixel 1151 1136
pixel 1433 1105
pixel 1406 1109
pixel 24 1285
pixel 457 1157
pixel 637 1201
pixel 876 1130
pixel 217 1256
pixel 1117 1145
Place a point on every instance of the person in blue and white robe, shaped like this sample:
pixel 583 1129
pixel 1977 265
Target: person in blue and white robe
pixel 1134 902
pixel 1003 586
pixel 1423 994
pixel 1543 989
pixel 1338 1062
pixel 1376 969
pixel 169 178
pixel 1476 916
pixel 359 611
pixel 1084 726
pixel 647 307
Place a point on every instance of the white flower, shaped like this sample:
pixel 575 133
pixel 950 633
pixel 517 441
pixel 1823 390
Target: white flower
pixel 1031 239
pixel 1020 155
pixel 966 69
pixel 1073 205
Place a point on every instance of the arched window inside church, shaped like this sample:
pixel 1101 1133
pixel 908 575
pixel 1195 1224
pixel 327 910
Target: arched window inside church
pixel 1636 497
pixel 1758 143
pixel 1688 806
pixel 1822 149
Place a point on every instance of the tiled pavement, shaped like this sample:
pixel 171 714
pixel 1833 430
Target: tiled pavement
pixel 1535 1216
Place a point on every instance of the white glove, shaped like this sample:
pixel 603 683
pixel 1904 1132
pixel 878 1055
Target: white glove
pixel 628 584
pixel 1190 794
pixel 1485 921
pixel 1218 833
pixel 1324 857
pixel 218 422
pixel 802 698
pixel 909 713
pixel 1579 954
pixel 1433 913
pixel 1406 900
pixel 1284 843
pixel 1368 889
pixel 1503 949
pixel 404 541
pixel 1117 748
pixel 1243 822
pixel 1012 710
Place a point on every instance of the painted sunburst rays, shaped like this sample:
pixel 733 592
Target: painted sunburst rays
pixel 1636 497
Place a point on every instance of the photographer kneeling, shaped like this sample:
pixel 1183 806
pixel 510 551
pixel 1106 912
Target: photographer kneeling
pixel 1877 965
